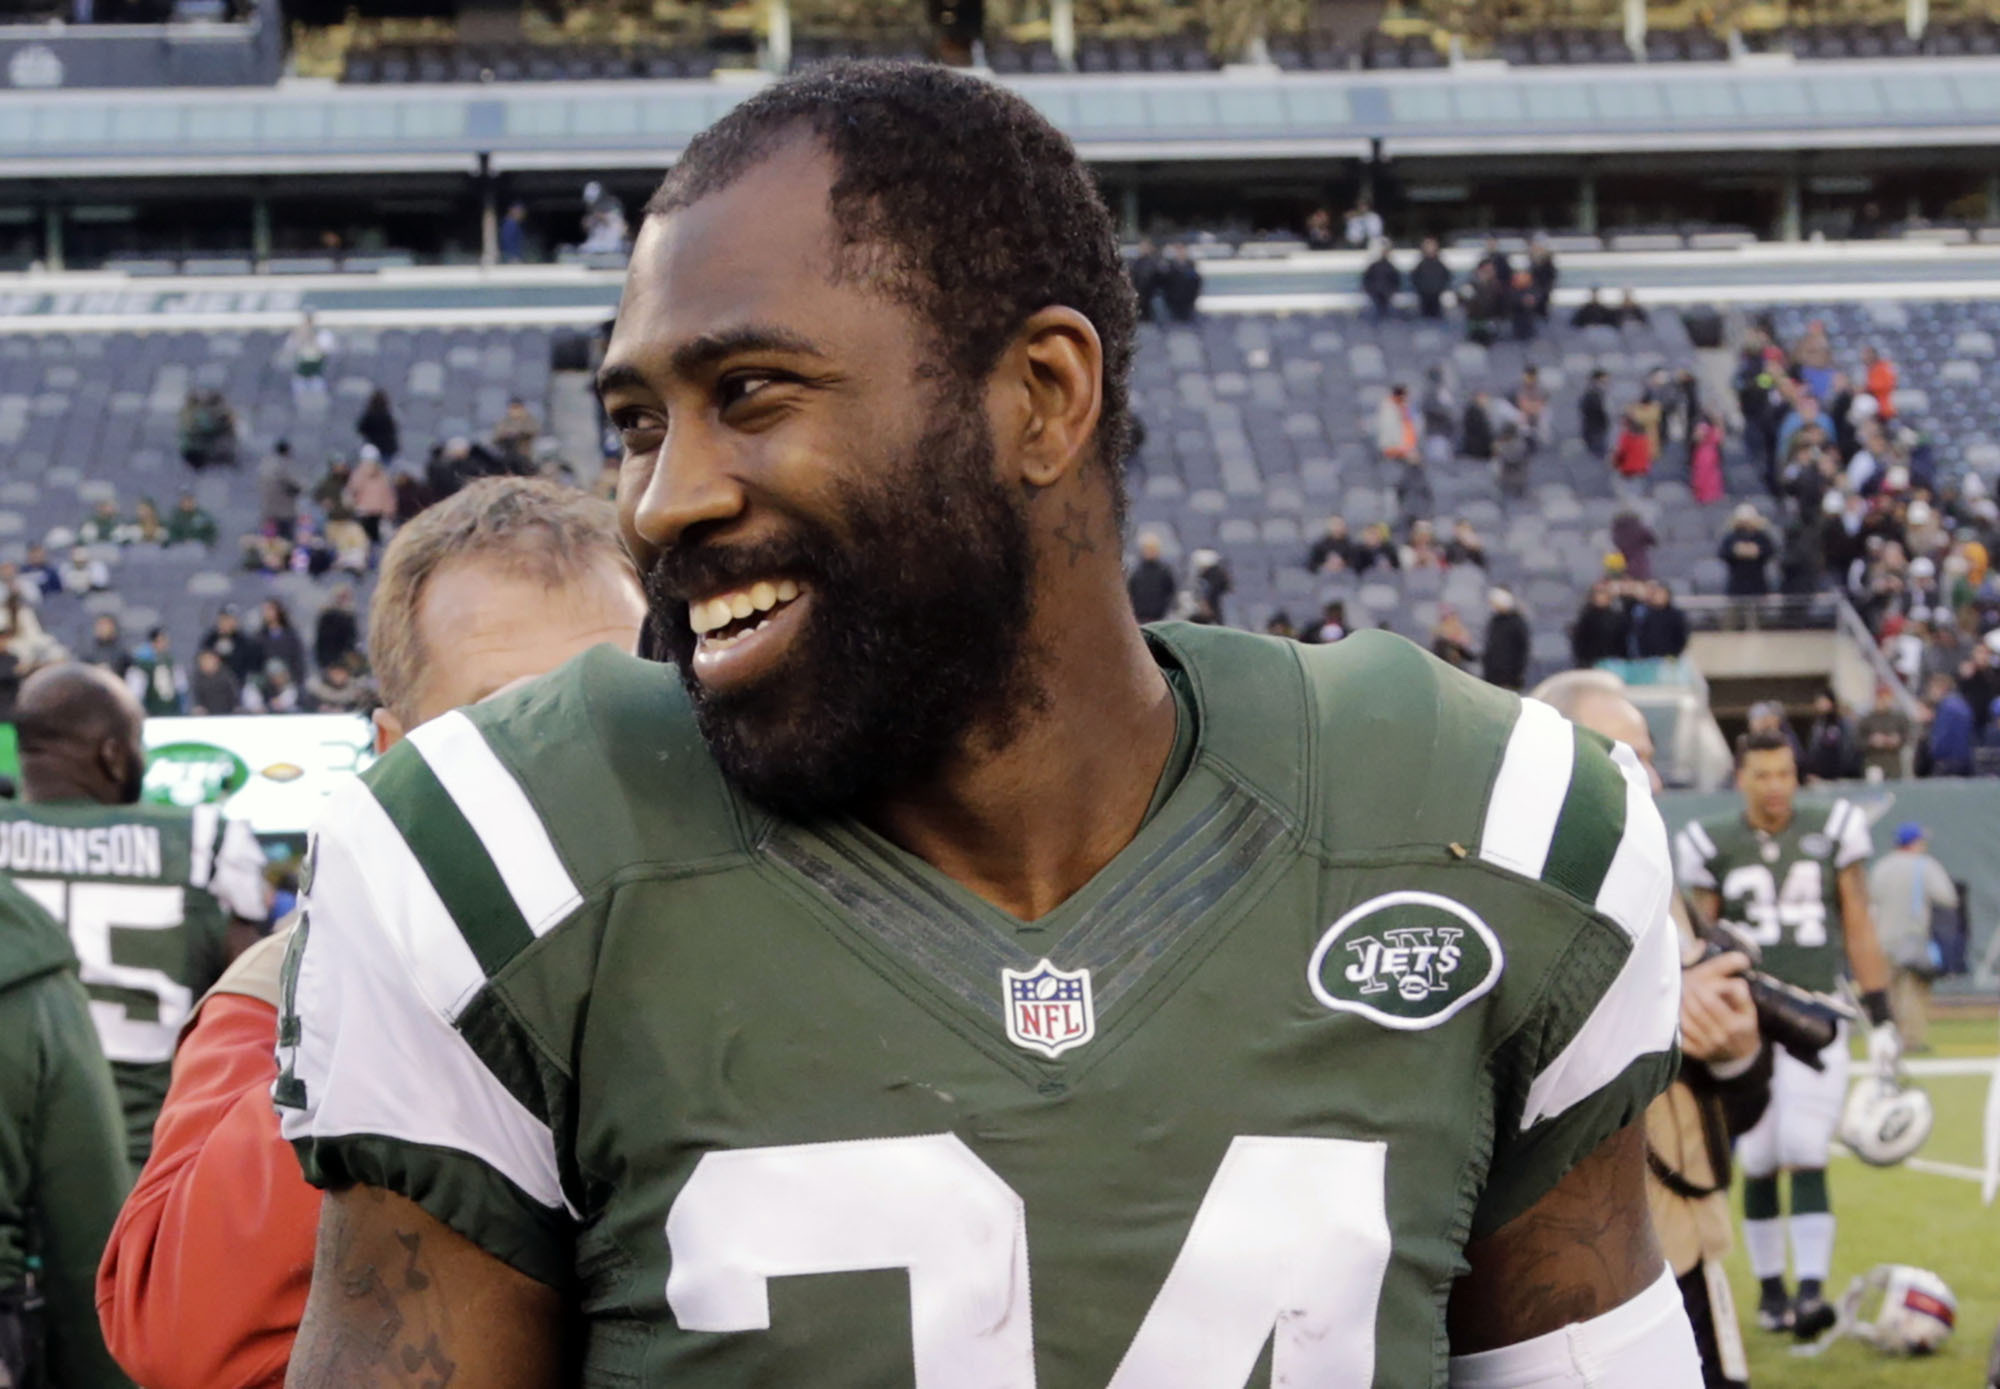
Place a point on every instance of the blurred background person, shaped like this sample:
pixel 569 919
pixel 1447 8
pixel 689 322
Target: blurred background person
pixel 62 1158
pixel 1152 584
pixel 1905 887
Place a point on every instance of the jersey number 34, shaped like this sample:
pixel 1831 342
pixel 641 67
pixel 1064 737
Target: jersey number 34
pixel 1769 910
pixel 1290 1246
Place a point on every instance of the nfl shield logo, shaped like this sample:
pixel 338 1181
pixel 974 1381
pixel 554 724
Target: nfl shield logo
pixel 1048 1009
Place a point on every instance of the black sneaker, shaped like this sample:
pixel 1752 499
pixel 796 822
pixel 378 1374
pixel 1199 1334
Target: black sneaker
pixel 1774 1310
pixel 1812 1317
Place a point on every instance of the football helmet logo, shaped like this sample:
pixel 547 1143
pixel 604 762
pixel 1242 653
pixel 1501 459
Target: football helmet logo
pixel 1885 1122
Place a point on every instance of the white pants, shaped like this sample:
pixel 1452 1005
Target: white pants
pixel 1797 1130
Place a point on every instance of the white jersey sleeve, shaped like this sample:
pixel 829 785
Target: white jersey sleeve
pixel 237 878
pixel 1693 852
pixel 1639 1015
pixel 377 1083
pixel 1847 827
pixel 1584 824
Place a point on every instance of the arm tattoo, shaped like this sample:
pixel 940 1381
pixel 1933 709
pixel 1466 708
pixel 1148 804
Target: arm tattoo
pixel 1074 532
pixel 1582 1250
pixel 375 1330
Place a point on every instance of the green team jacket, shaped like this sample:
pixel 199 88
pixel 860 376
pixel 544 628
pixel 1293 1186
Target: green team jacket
pixel 63 1173
pixel 777 1104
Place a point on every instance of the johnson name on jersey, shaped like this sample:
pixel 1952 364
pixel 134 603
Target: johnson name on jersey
pixel 146 893
pixel 779 1103
pixel 1782 890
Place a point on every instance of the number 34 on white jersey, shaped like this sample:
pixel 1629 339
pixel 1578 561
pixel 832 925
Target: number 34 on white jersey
pixel 1292 1238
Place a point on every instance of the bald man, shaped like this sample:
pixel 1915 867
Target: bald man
pixel 157 899
pixel 1724 1084
pixel 507 579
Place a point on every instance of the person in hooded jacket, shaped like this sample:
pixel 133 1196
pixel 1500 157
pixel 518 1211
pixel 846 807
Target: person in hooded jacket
pixel 63 1170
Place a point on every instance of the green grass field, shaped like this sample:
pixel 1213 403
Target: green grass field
pixel 1904 1216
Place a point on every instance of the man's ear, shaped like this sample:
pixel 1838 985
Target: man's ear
pixel 1054 373
pixel 388 730
pixel 112 757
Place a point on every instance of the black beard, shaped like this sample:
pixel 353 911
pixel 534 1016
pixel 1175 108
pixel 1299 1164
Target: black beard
pixel 915 643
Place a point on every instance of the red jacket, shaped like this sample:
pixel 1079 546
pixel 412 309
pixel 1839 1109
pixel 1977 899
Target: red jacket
pixel 1633 455
pixel 204 1278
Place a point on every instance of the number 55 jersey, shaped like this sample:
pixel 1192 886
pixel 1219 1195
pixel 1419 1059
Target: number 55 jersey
pixel 146 893
pixel 776 1103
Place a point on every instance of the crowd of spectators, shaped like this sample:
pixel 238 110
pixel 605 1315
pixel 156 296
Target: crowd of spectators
pixel 1858 506
pixel 331 522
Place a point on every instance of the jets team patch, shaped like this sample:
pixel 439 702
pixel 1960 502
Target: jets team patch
pixel 1407 960
pixel 1048 1009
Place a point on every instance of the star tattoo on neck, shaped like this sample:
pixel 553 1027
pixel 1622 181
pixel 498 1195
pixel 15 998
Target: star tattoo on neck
pixel 1075 532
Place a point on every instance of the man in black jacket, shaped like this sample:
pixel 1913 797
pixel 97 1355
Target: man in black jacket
pixel 1599 631
pixel 1505 659
pixel 1542 272
pixel 1486 305
pixel 1430 278
pixel 1830 753
pixel 1659 628
pixel 1180 284
pixel 1475 438
pixel 1380 282
pixel 1747 549
pixel 1333 552
pixel 241 652
pixel 1594 313
pixel 1151 584
pixel 1595 416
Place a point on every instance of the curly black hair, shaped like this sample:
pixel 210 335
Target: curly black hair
pixel 959 197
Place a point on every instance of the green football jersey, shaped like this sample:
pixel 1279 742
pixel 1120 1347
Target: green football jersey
pixel 1782 890
pixel 146 893
pixel 777 1103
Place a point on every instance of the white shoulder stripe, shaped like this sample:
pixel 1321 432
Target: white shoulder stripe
pixel 1631 886
pixel 1855 841
pixel 206 821
pixel 1639 1013
pixel 1528 794
pixel 406 908
pixel 1691 859
pixel 1695 832
pixel 379 954
pixel 1835 818
pixel 500 814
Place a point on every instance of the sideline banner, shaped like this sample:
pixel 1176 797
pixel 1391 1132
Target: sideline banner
pixel 273 770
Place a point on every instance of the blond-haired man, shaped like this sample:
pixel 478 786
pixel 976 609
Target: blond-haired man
pixel 509 578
